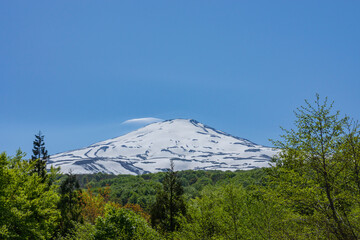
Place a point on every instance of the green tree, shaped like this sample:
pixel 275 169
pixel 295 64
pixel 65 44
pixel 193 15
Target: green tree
pixel 121 223
pixel 28 205
pixel 70 204
pixel 232 212
pixel 169 203
pixel 40 156
pixel 316 172
pixel 204 217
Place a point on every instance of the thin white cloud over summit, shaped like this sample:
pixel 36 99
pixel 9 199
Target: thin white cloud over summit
pixel 147 120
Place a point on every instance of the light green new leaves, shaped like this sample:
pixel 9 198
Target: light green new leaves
pixel 28 206
pixel 316 173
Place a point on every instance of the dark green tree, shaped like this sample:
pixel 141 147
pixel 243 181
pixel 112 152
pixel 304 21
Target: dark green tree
pixel 169 203
pixel 40 156
pixel 69 204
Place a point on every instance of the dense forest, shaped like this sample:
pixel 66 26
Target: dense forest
pixel 312 191
pixel 142 189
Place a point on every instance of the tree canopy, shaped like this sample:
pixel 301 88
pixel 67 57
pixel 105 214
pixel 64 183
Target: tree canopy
pixel 317 171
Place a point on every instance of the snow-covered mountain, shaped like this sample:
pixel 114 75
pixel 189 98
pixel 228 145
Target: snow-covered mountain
pixel 190 144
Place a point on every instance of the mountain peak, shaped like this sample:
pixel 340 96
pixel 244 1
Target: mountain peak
pixel 189 143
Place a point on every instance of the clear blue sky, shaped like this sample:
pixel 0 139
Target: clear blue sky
pixel 77 69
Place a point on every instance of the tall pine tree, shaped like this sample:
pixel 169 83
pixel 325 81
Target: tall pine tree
pixel 40 156
pixel 169 203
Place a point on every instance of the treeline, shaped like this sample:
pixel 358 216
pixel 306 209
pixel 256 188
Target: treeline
pixel 312 191
pixel 142 189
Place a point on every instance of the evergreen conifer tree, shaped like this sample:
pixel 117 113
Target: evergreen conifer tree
pixel 169 202
pixel 40 156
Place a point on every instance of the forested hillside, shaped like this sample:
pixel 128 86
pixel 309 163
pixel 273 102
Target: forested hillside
pixel 142 189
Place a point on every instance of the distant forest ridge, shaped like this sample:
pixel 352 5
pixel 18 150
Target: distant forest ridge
pixel 142 189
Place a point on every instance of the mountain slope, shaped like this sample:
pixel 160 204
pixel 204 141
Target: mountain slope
pixel 192 145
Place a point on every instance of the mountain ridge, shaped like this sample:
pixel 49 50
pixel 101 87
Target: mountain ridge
pixel 189 143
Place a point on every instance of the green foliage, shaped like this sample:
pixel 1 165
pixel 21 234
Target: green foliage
pixel 70 204
pixel 142 189
pixel 28 205
pixel 80 231
pixel 231 212
pixel 317 174
pixel 134 189
pixel 169 203
pixel 96 179
pixel 121 223
pixel 32 208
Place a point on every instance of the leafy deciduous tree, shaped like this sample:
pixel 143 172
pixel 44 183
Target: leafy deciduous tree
pixel 316 167
pixel 28 205
pixel 121 223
